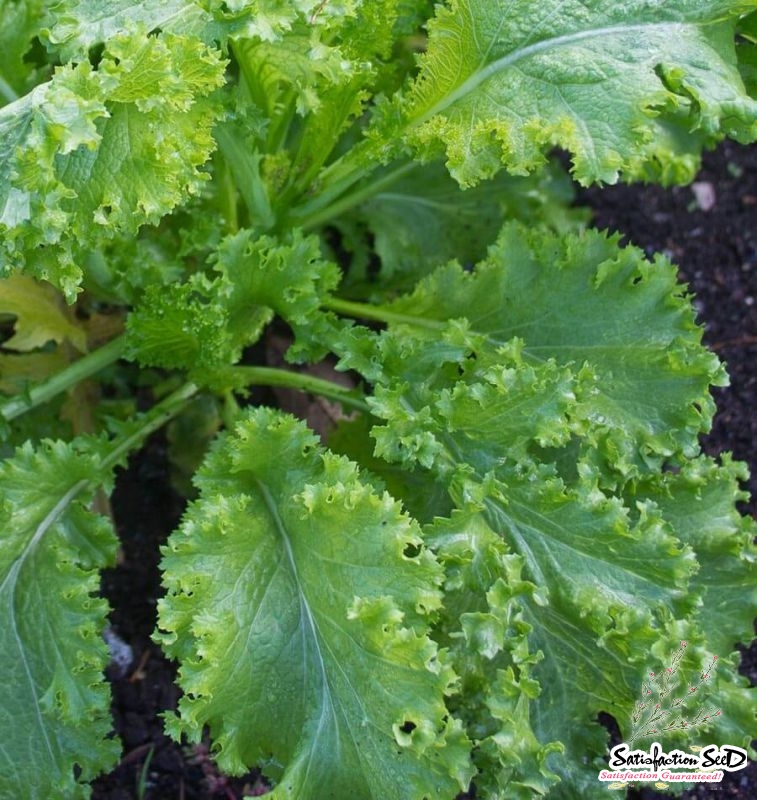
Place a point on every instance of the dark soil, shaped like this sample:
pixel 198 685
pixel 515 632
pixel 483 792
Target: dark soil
pixel 715 246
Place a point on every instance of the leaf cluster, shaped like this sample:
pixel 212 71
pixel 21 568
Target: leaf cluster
pixel 510 514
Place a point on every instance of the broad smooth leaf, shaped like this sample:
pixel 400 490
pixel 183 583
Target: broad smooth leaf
pixel 297 606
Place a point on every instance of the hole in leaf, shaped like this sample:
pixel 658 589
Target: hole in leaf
pixel 609 723
pixel 95 54
pixel 37 55
pixel 408 726
pixel 412 550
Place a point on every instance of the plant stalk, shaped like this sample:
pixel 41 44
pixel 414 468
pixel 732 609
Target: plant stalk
pixel 81 369
pixel 313 214
pixel 378 313
pixel 271 376
pixel 152 421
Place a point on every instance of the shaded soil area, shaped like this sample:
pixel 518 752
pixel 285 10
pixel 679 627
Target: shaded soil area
pixel 709 230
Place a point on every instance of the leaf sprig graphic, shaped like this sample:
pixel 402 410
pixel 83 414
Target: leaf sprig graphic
pixel 659 712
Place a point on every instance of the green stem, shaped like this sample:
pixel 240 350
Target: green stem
pixel 154 419
pixel 379 313
pixel 229 197
pixel 317 216
pixel 230 410
pixel 281 123
pixel 271 376
pixel 245 170
pixel 81 369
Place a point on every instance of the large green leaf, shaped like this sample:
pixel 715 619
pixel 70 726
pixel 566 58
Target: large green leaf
pixel 309 59
pixel 297 605
pixel 608 584
pixel 635 87
pixel 603 579
pixel 76 25
pixel 54 702
pixel 630 338
pixel 699 502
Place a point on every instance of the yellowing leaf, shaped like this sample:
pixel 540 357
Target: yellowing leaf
pixel 40 315
pixel 18 370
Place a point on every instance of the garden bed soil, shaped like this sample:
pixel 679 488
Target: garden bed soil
pixel 708 230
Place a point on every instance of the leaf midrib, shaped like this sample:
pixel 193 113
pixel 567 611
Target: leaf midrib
pixel 663 592
pixel 486 71
pixel 8 587
pixel 329 704
pixel 326 699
